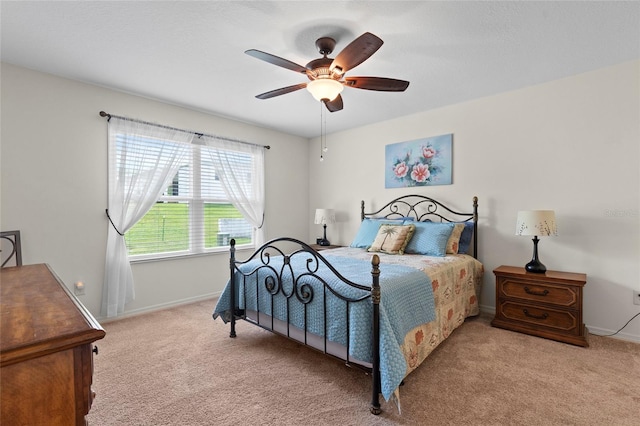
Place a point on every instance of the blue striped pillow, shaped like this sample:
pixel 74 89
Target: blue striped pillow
pixel 430 238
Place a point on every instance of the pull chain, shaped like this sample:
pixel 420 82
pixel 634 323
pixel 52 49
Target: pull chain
pixel 321 149
pixel 325 149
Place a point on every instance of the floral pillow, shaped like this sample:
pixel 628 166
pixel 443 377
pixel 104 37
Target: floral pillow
pixel 454 239
pixel 392 239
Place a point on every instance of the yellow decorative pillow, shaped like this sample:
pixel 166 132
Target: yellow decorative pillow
pixel 454 239
pixel 392 239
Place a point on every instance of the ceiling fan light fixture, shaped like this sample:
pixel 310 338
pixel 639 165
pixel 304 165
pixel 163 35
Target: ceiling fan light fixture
pixel 324 88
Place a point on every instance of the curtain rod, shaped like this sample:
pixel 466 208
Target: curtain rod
pixel 105 114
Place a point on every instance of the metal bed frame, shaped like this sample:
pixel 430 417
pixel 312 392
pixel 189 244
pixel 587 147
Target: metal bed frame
pixel 417 207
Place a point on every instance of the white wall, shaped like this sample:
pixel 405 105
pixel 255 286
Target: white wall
pixel 570 145
pixel 54 184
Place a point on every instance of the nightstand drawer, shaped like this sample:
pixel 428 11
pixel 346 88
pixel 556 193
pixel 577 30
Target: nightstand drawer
pixel 529 315
pixel 535 291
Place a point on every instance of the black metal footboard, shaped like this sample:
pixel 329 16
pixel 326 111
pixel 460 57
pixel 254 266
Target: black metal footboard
pixel 284 276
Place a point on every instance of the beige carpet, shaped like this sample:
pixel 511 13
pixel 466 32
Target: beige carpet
pixel 179 367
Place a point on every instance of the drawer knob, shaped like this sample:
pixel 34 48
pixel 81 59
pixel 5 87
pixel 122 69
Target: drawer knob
pixel 542 317
pixel 95 350
pixel 536 293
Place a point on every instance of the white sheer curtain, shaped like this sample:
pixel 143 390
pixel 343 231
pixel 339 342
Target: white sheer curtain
pixel 247 195
pixel 143 160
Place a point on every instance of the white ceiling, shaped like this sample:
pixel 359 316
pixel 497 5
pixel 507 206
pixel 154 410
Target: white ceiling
pixel 192 53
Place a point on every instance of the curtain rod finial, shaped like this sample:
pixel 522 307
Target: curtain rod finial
pixel 104 114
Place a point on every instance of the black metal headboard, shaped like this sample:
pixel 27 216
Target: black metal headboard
pixel 421 208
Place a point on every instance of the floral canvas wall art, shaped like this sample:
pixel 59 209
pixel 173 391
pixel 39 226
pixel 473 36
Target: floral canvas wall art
pixel 422 162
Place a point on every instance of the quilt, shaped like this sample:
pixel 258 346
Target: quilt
pixel 423 299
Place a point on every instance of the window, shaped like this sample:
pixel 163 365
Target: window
pixel 165 199
pixel 193 215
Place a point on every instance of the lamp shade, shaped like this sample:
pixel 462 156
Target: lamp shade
pixel 325 216
pixel 324 88
pixel 540 223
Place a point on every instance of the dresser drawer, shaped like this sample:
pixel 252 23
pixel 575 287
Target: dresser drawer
pixel 558 320
pixel 564 296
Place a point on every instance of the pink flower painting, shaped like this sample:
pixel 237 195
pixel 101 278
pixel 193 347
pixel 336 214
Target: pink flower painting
pixel 421 162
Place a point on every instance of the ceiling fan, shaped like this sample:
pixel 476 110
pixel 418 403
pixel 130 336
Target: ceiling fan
pixel 327 75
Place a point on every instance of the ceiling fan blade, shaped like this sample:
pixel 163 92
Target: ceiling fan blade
pixel 276 60
pixel 356 52
pixel 377 83
pixel 281 91
pixel 334 105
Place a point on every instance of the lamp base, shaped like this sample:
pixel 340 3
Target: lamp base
pixel 536 267
pixel 323 242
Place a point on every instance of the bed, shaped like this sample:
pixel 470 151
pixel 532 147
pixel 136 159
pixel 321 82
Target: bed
pixel 383 304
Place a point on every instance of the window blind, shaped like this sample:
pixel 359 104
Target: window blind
pixel 194 213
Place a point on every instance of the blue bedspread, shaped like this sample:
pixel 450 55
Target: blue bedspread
pixel 406 302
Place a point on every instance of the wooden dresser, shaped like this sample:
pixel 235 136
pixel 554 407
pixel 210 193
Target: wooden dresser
pixel 547 305
pixel 46 349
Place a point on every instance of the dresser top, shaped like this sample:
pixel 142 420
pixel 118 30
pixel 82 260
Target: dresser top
pixel 39 315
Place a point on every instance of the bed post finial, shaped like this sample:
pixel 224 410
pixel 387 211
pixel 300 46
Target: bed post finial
pixel 375 275
pixel 375 364
pixel 475 209
pixel 361 210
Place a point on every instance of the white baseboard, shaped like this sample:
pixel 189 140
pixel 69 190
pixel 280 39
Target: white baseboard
pixel 161 306
pixel 486 309
pixel 622 335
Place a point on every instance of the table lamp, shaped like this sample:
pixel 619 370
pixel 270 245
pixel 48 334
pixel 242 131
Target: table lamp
pixel 324 216
pixel 536 223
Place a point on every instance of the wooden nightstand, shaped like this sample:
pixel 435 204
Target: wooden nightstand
pixel 318 247
pixel 546 305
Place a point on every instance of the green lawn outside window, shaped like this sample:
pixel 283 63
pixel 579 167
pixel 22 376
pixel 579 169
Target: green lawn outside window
pixel 165 228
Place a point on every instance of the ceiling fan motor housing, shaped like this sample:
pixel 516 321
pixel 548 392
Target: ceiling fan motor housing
pixel 320 68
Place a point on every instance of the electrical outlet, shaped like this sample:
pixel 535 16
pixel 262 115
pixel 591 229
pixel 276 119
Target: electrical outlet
pixel 78 288
pixel 636 297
